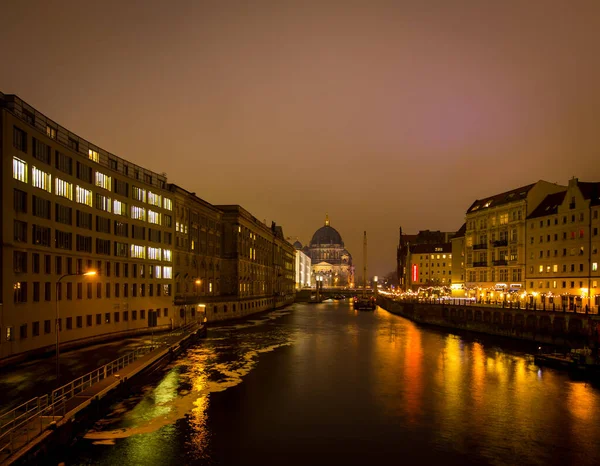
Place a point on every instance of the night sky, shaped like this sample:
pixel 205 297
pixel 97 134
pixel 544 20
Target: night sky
pixel 384 114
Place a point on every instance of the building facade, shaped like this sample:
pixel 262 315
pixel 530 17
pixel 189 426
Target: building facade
pixel 405 241
pixel 495 246
pixel 197 264
pixel 430 266
pixel 303 267
pixel 71 207
pixel 458 262
pixel 563 241
pixel 257 265
pixel 329 258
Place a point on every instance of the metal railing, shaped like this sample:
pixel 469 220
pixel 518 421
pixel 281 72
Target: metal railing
pixel 78 385
pixel 25 422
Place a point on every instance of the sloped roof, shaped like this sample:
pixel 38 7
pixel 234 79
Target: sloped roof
pixel 500 199
pixel 461 231
pixel 590 191
pixel 549 206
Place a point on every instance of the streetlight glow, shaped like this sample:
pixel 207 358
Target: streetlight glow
pixel 90 273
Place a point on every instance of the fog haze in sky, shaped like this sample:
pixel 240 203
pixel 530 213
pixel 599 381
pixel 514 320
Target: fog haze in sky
pixel 383 114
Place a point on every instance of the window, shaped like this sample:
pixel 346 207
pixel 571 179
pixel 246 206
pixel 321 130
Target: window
pixel 84 220
pixel 154 199
pixel 41 235
pixel 107 292
pixel 41 179
pixel 103 202
pixel 20 231
pixel 83 196
pixel 19 170
pixel 84 172
pixel 138 252
pixel 103 181
pixel 19 139
pixel 63 189
pixel 73 144
pixel 102 224
pixel 64 163
pixel 20 292
pixel 19 261
pixel 167 204
pixel 116 317
pixel 154 235
pixel 138 213
pixel 63 214
pixel 138 194
pixel 119 208
pixel 42 152
pixel 167 255
pixel 154 253
pixel 79 321
pixel 595 266
pixel 121 187
pixel 84 243
pixel 154 217
pixel 20 200
pixel 138 232
pixel 41 207
pixel 102 246
pixel 168 220
pixel 157 271
pixel 121 229
pixel 63 239
pixel 93 155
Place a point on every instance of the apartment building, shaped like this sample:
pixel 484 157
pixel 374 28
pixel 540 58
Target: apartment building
pixel 563 241
pixel 495 245
pixel 458 262
pixel 197 267
pixel 71 207
pixel 257 264
pixel 430 265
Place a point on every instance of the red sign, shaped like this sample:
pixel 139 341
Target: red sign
pixel 415 273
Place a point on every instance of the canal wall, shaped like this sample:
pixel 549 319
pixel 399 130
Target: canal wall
pixel 237 309
pixel 571 330
pixel 87 409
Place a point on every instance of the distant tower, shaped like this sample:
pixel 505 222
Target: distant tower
pixel 326 219
pixel 365 259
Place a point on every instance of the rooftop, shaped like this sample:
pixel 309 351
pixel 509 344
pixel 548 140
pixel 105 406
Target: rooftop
pixel 549 205
pixel 431 248
pixel 500 199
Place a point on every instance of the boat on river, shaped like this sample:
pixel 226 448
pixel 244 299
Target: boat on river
pixel 364 304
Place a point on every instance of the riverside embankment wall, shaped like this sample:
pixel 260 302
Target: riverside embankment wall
pixel 573 330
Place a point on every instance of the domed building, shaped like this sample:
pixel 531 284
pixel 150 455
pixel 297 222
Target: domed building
pixel 329 257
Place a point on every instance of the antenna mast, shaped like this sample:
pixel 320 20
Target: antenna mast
pixel 365 263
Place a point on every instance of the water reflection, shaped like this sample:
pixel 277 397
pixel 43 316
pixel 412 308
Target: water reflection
pixel 326 380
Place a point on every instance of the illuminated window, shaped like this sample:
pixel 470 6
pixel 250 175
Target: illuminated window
pixel 541 269
pixel 93 155
pixel 138 213
pixel 167 257
pixel 40 179
pixel 168 204
pixel 119 208
pixel 154 217
pixel 139 252
pixel 167 272
pixel 83 196
pixel 176 226
pixel 595 266
pixel 154 199
pixel 103 181
pixel 19 170
pixel 157 271
pixel 50 132
pixel 138 194
pixel 63 189
pixel 103 202
pixel 555 268
pixel 154 253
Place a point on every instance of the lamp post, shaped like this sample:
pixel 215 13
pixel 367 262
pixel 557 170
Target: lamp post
pixel 57 328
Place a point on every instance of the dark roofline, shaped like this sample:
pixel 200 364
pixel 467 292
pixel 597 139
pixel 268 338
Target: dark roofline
pixel 175 188
pixel 500 199
pixel 549 206
pixel 430 248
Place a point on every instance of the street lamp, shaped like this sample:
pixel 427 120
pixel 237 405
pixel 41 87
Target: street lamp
pixel 90 273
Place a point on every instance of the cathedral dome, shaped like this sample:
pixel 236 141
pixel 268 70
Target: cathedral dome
pixel 326 235
pixel 298 245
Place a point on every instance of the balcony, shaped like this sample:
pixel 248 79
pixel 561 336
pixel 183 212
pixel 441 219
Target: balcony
pixel 500 262
pixel 480 264
pixel 499 243
pixel 480 246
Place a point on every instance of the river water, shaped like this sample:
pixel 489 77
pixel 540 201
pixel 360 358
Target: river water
pixel 324 384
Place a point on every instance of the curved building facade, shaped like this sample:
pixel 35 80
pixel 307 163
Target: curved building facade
pixel 329 258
